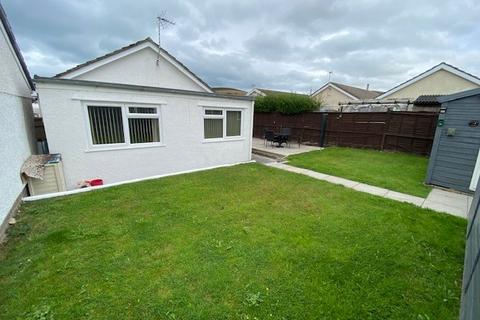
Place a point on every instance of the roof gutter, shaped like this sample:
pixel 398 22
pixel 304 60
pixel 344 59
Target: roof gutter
pixel 97 84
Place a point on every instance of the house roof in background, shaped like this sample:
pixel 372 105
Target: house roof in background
pixel 441 66
pixel 266 92
pixel 358 92
pixel 229 91
pixel 123 49
pixel 13 42
pixel 353 92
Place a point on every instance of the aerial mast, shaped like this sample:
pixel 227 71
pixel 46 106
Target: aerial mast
pixel 162 23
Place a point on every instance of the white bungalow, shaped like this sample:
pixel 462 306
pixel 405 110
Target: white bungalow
pixel 138 112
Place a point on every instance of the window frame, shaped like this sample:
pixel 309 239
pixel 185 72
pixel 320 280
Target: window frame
pixel 223 116
pixel 126 114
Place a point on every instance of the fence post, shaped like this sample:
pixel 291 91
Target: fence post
pixel 385 128
pixel 323 128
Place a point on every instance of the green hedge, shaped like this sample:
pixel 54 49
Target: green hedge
pixel 287 103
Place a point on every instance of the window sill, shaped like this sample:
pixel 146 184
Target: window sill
pixel 223 140
pixel 140 146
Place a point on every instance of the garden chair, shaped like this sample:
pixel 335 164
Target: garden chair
pixel 269 136
pixel 285 134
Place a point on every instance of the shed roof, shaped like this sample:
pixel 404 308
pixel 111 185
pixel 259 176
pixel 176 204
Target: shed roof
pixel 428 100
pixel 459 95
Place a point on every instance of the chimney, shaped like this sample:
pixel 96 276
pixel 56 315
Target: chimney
pixel 368 86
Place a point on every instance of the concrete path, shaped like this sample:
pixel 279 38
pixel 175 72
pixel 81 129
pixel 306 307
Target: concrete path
pixel 439 200
pixel 259 147
pixel 454 203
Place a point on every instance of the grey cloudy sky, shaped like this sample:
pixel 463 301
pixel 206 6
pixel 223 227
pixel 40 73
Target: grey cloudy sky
pixel 289 45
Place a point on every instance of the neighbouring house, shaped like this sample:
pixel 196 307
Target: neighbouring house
pixel 138 112
pixel 16 122
pixel 441 79
pixel 333 94
pixel 257 92
pixel 454 159
pixel 229 91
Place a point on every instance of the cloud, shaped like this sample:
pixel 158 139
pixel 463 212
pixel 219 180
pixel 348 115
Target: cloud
pixel 289 45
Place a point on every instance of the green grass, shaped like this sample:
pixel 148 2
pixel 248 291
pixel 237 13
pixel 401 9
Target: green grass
pixel 245 242
pixel 397 171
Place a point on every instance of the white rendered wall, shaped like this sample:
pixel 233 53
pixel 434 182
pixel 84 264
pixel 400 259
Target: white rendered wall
pixel 16 143
pixel 63 109
pixel 140 68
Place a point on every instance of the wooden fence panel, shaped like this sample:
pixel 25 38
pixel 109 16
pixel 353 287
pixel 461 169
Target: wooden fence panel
pixel 304 126
pixel 400 131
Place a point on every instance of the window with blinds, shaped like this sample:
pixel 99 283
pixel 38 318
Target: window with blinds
pixel 106 124
pixel 143 125
pixel 234 123
pixel 222 123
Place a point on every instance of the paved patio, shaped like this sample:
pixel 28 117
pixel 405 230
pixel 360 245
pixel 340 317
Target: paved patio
pixel 440 200
pixel 258 147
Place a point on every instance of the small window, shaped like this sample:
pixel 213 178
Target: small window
pixel 213 128
pixel 143 125
pixel 142 110
pixel 106 124
pixel 234 123
pixel 214 112
pixel 222 123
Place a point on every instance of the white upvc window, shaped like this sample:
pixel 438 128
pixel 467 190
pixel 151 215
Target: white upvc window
pixel 222 123
pixel 113 125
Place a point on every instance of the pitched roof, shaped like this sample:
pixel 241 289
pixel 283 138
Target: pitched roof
pixel 441 66
pixel 267 92
pixel 115 52
pixel 360 93
pixel 13 42
pixel 229 91
pixel 353 92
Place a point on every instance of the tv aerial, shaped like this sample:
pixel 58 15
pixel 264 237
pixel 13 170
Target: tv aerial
pixel 162 24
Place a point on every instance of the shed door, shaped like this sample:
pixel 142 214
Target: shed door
pixel 476 174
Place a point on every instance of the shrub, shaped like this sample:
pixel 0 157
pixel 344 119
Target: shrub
pixel 287 103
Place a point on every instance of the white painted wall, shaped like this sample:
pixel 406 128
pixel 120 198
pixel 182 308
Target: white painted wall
pixel 140 68
pixel 16 143
pixel 182 120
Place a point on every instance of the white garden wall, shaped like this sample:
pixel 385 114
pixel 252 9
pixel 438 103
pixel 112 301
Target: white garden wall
pixel 16 143
pixel 66 125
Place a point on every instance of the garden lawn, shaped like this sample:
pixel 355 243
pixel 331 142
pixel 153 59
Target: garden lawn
pixel 244 242
pixel 396 171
